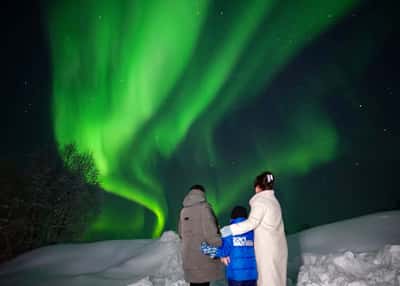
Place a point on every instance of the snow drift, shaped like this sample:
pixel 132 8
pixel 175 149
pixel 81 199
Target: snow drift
pixel 380 268
pixel 111 263
pixel 368 233
pixel 353 252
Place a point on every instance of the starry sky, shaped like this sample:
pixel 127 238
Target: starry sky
pixel 166 94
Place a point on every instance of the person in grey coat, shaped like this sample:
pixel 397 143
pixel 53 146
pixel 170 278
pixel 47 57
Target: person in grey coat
pixel 197 223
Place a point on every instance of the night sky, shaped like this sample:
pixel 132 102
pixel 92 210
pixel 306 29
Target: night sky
pixel 166 94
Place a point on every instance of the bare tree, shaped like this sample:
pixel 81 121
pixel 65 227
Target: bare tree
pixel 52 198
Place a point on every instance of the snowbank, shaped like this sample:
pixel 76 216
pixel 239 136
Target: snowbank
pixel 108 263
pixel 362 234
pixel 356 269
pixel 334 249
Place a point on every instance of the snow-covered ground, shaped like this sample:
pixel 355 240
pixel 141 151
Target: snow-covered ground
pixel 349 268
pixel 356 252
pixel 364 234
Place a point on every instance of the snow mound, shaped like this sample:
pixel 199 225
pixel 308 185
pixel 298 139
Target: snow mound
pixel 109 263
pixel 161 282
pixel 380 268
pixel 369 233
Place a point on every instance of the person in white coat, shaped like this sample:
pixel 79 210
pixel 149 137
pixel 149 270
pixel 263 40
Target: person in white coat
pixel 269 234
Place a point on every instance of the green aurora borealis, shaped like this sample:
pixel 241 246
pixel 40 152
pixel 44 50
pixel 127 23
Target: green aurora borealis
pixel 145 85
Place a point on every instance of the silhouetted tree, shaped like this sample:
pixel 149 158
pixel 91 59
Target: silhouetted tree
pixel 52 198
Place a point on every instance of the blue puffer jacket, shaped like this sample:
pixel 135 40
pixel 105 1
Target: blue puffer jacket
pixel 240 249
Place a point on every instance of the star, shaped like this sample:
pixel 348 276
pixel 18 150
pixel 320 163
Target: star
pixel 357 164
pixel 221 12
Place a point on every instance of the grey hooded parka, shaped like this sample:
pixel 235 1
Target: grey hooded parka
pixel 197 223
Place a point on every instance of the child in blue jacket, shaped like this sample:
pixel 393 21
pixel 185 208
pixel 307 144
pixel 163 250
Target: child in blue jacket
pixel 242 269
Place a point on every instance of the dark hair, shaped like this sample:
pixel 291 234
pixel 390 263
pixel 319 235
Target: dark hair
pixel 265 181
pixel 198 187
pixel 239 211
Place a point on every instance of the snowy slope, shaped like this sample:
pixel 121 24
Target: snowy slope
pixel 380 268
pixel 158 262
pixel 362 234
pixel 118 262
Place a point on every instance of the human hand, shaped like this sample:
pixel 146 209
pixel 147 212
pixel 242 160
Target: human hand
pixel 208 249
pixel 225 260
